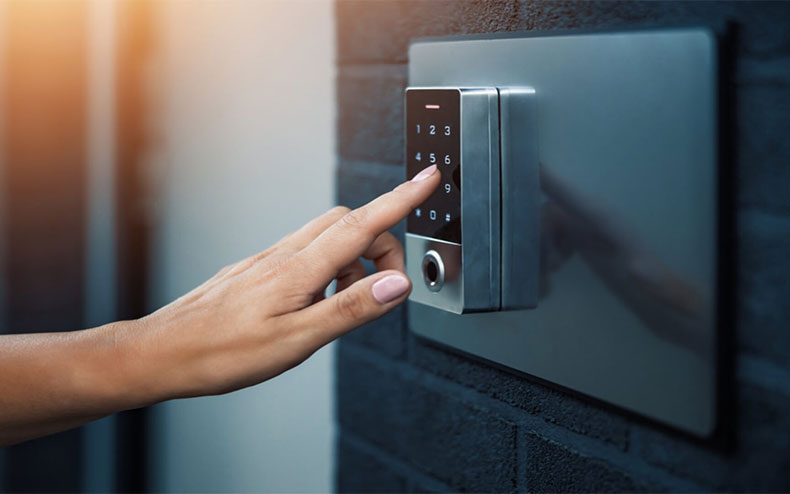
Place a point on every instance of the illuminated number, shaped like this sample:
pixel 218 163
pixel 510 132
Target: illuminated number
pixel 433 214
pixel 418 157
pixel 432 129
pixel 418 128
pixel 447 188
pixel 446 159
pixel 432 158
pixel 447 130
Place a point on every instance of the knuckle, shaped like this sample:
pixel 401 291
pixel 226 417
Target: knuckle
pixel 350 305
pixel 355 219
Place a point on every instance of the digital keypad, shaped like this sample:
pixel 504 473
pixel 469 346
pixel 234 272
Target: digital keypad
pixel 433 137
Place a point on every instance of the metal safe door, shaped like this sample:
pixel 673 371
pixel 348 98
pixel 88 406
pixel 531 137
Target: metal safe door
pixel 627 137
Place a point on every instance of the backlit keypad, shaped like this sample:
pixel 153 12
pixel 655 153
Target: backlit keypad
pixel 433 138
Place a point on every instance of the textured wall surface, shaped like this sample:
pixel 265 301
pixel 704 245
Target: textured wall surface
pixel 416 417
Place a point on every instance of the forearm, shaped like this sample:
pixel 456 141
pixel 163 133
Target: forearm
pixel 54 381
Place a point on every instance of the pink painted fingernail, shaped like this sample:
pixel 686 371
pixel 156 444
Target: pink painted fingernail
pixel 424 174
pixel 389 288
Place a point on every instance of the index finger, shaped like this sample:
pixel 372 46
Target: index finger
pixel 349 237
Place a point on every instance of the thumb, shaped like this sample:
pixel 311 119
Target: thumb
pixel 363 301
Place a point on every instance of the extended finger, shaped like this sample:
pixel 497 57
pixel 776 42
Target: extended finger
pixel 315 227
pixel 354 233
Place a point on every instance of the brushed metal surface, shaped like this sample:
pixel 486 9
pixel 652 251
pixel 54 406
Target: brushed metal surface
pixel 450 297
pixel 627 144
pixel 520 202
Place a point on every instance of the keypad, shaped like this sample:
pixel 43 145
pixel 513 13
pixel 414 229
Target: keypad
pixel 433 137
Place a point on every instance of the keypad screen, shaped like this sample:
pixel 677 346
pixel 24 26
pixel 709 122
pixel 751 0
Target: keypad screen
pixel 433 138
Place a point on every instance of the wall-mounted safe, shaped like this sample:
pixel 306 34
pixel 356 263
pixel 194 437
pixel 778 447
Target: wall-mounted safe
pixel 574 235
pixel 471 254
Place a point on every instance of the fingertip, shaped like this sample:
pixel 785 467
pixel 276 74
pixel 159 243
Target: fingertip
pixel 425 174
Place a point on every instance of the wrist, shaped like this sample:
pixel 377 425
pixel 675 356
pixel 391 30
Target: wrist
pixel 121 374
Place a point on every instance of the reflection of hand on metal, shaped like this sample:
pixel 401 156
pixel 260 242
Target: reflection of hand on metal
pixel 572 223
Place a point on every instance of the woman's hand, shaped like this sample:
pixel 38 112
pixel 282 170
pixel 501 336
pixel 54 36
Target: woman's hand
pixel 252 321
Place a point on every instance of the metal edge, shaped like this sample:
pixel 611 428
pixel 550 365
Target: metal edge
pixel 481 283
pixel 520 198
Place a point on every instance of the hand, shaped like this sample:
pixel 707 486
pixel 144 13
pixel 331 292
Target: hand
pixel 261 316
pixel 252 321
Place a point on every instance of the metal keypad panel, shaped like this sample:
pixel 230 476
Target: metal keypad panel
pixel 456 129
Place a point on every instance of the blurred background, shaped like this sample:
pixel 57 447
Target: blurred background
pixel 144 145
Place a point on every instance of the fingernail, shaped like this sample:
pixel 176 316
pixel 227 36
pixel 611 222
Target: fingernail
pixel 424 174
pixel 389 288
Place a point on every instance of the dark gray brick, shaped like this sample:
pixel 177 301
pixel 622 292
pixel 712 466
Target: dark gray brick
pixel 459 444
pixel 367 468
pixel 761 26
pixel 370 113
pixel 361 471
pixel 759 461
pixel 763 149
pixel 379 32
pixel 764 289
pixel 369 31
pixel 553 406
pixel 385 334
pixel 553 467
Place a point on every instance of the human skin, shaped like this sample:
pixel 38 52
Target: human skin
pixel 250 322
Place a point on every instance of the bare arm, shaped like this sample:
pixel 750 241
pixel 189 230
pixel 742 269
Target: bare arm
pixel 252 321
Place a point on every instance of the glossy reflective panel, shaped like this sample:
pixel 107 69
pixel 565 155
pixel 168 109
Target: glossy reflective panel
pixel 628 241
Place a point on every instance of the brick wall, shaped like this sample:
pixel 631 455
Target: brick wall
pixel 415 417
